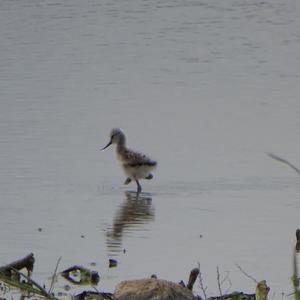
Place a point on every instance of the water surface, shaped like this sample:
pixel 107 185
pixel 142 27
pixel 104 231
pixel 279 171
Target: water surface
pixel 207 88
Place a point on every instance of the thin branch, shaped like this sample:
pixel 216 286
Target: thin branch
pixel 284 161
pixel 203 289
pixel 226 278
pixel 229 281
pixel 246 274
pixel 54 276
pixel 42 291
pixel 219 281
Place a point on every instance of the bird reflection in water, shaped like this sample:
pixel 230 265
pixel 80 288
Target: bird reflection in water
pixel 133 213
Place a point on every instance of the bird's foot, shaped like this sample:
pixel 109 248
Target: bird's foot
pixel 149 176
pixel 127 181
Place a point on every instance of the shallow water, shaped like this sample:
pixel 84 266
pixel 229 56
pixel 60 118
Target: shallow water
pixel 207 88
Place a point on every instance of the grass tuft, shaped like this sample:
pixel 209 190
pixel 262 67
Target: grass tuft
pixel 296 277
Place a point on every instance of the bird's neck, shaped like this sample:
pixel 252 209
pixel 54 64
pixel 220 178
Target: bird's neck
pixel 121 146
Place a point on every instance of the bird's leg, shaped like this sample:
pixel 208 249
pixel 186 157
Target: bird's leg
pixel 139 188
pixel 149 176
pixel 128 180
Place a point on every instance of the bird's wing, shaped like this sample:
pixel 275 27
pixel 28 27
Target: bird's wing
pixel 135 158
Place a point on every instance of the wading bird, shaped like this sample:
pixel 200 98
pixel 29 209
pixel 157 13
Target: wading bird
pixel 135 165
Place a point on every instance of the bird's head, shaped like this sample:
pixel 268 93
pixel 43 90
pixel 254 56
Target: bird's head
pixel 116 137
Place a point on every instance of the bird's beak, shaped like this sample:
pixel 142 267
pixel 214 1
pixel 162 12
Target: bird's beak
pixel 110 142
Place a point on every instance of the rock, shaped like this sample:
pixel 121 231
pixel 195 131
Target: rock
pixel 151 289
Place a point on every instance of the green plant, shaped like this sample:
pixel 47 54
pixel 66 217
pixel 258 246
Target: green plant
pixel 296 277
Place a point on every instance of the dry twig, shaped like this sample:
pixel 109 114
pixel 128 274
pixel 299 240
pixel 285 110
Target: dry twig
pixel 54 276
pixel 284 161
pixel 219 281
pixel 226 278
pixel 39 288
pixel 203 289
pixel 246 274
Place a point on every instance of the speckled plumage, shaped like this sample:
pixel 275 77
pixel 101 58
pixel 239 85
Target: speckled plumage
pixel 135 165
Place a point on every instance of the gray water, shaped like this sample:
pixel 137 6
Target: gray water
pixel 207 88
